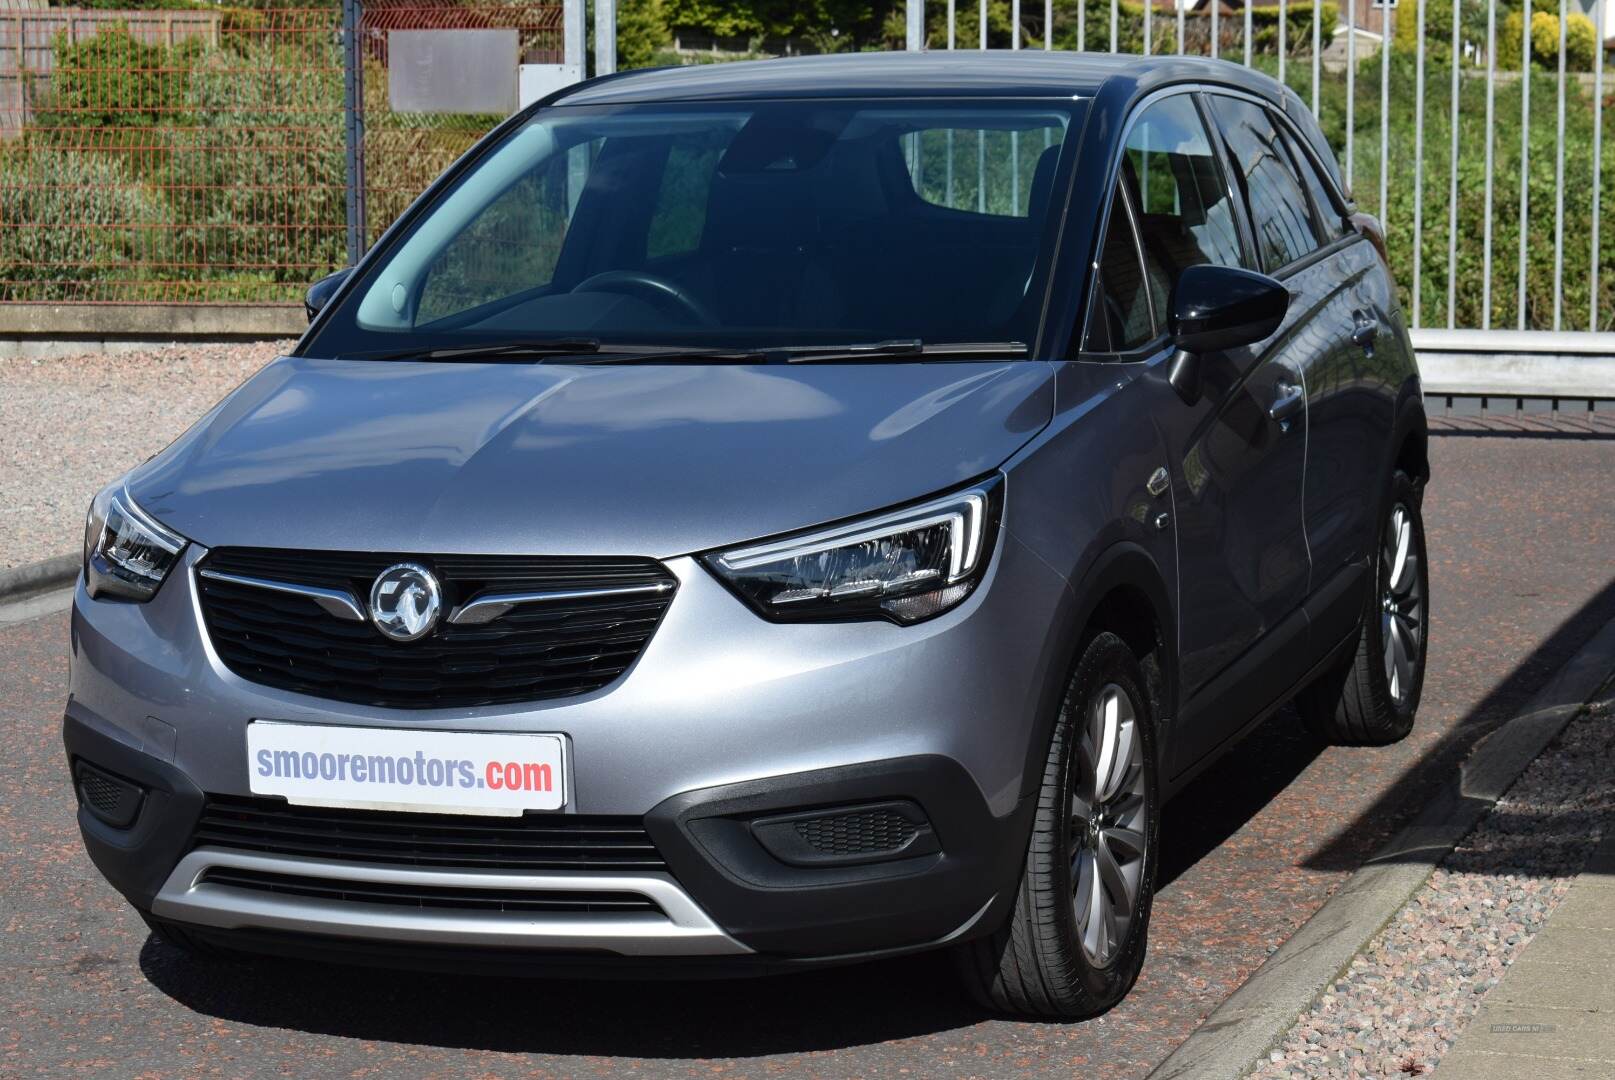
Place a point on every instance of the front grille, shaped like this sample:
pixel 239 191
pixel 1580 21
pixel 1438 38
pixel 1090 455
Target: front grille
pixel 859 833
pixel 534 842
pixel 394 894
pixel 532 653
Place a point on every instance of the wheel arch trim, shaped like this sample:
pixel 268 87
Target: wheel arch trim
pixel 1124 564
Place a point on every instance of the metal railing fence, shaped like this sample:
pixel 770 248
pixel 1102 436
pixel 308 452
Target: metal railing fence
pixel 1467 126
pixel 202 156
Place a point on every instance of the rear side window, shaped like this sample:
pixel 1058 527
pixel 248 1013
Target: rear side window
pixel 1280 213
pixel 1007 171
pixel 1184 213
pixel 1119 318
pixel 513 244
pixel 681 202
pixel 1330 224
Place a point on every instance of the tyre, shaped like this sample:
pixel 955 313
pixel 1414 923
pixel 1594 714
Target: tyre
pixel 1074 942
pixel 1371 699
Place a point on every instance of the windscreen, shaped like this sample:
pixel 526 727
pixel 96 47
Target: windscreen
pixel 751 225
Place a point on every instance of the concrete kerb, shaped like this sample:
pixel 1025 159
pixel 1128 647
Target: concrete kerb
pixel 1253 1019
pixel 44 331
pixel 38 577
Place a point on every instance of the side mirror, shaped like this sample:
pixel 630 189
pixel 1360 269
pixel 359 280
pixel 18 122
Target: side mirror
pixel 1215 308
pixel 319 294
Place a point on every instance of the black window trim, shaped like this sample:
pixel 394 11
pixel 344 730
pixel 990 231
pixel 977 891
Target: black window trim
pixel 1237 200
pixel 1157 326
pixel 1291 148
pixel 1343 205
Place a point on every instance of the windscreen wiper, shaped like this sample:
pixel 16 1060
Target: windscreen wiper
pixel 515 350
pixel 899 349
pixel 639 354
pixel 579 350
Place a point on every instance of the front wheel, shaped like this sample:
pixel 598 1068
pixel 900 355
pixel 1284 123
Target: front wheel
pixel 1370 701
pixel 1075 940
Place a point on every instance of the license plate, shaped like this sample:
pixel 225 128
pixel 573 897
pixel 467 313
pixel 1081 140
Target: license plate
pixel 457 772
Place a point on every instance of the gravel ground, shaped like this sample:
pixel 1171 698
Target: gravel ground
pixel 73 424
pixel 1402 1002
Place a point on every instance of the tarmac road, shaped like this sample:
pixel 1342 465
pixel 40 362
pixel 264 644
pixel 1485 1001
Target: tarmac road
pixel 1522 542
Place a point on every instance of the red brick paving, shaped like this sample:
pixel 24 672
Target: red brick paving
pixel 1523 570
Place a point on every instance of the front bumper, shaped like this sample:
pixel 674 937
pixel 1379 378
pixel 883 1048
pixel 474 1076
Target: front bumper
pixel 724 720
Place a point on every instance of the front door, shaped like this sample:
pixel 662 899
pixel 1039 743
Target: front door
pixel 1242 553
pixel 1236 472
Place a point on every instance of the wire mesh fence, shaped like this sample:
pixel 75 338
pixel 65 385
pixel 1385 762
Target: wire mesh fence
pixel 199 156
pixel 405 151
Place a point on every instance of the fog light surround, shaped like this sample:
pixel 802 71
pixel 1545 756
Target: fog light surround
pixel 107 797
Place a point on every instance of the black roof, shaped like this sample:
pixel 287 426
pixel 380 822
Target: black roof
pixel 968 73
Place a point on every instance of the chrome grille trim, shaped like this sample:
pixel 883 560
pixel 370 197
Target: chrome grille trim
pixel 486 609
pixel 338 602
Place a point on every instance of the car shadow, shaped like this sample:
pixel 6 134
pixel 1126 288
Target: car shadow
pixel 803 1012
pixel 1218 803
pixel 1439 765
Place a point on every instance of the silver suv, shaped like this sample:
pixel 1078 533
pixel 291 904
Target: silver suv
pixel 765 516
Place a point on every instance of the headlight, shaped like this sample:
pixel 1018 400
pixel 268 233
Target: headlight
pixel 126 552
pixel 905 565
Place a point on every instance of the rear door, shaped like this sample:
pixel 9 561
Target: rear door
pixel 1330 337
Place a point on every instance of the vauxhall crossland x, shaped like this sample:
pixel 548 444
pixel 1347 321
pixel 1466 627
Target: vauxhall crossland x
pixel 754 517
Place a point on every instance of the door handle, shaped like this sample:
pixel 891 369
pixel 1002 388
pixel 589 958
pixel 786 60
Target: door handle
pixel 1289 402
pixel 1365 332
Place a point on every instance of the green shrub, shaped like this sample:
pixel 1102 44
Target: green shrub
pixel 257 170
pixel 641 32
pixel 72 218
pixel 1575 296
pixel 111 79
pixel 1437 31
pixel 1581 42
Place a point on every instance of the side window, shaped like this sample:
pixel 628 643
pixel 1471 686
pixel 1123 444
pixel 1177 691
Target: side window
pixel 984 170
pixel 1185 217
pixel 1280 214
pixel 1331 226
pixel 681 201
pixel 1119 314
pixel 512 245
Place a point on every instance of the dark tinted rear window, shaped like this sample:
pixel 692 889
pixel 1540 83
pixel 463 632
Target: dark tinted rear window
pixel 1280 212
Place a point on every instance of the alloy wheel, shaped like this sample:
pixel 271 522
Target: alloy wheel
pixel 1401 605
pixel 1109 817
